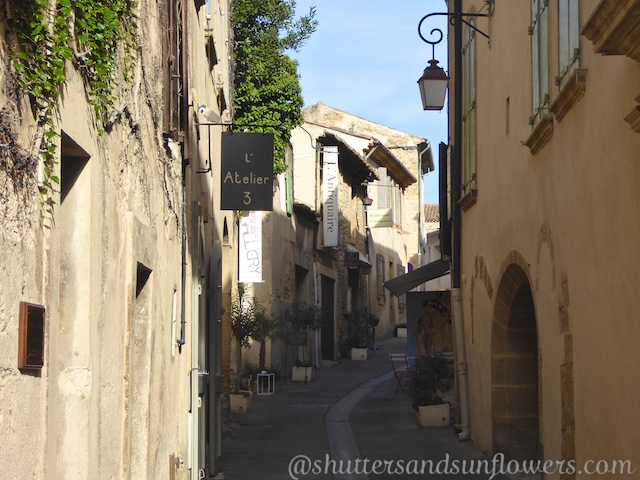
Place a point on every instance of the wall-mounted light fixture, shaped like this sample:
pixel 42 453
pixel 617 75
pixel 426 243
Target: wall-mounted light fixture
pixel 434 80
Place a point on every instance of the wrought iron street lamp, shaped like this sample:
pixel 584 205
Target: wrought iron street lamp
pixel 434 81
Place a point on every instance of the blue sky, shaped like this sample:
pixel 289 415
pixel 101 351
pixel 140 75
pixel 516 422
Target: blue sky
pixel 366 57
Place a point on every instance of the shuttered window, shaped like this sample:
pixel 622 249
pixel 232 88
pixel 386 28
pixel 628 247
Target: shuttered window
pixel 539 31
pixel 569 37
pixel 469 111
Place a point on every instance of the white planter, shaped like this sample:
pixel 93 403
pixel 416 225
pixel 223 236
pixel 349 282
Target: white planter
pixel 401 332
pixel 240 402
pixel 359 353
pixel 433 415
pixel 302 374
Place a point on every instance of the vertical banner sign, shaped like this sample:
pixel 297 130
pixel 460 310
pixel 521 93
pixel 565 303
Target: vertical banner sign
pixel 250 248
pixel 330 195
pixel 246 171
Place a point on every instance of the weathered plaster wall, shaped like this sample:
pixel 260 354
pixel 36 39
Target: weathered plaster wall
pixel 113 398
pixel 566 212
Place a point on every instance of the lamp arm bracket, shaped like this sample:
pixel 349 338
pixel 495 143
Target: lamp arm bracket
pixel 452 19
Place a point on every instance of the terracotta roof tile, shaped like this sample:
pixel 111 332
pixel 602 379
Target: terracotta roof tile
pixel 432 213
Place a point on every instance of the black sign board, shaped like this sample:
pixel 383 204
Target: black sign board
pixel 352 259
pixel 247 171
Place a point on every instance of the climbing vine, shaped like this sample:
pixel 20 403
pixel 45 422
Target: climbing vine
pixel 268 95
pixel 51 35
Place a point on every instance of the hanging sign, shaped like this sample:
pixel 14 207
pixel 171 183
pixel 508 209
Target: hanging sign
pixel 250 248
pixel 379 218
pixel 246 171
pixel 330 195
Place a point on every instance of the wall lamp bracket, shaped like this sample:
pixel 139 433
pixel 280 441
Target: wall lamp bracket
pixel 453 18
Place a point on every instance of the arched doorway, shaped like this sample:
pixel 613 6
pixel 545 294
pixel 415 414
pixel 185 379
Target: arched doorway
pixel 514 369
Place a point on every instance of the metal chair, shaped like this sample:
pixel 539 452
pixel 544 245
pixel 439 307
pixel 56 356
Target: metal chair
pixel 400 366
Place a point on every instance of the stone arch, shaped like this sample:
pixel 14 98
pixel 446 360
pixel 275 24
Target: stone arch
pixel 480 273
pixel 545 240
pixel 514 364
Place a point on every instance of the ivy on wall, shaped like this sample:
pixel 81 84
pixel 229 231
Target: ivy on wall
pixel 51 36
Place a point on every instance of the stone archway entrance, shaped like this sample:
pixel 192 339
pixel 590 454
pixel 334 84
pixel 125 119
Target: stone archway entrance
pixel 514 369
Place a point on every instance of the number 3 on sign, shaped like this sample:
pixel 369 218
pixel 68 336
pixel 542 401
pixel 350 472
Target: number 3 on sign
pixel 247 198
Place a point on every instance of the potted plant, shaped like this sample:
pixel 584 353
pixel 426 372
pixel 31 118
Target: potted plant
pixel 262 327
pixel 359 327
pixel 430 378
pixel 242 322
pixel 239 399
pixel 303 319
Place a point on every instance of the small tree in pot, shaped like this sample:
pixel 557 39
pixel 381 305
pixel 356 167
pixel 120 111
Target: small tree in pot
pixel 359 327
pixel 303 318
pixel 242 324
pixel 430 378
pixel 263 326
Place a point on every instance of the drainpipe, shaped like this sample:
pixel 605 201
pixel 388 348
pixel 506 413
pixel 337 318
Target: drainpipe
pixel 315 303
pixel 456 294
pixel 183 301
pixel 461 364
pixel 316 228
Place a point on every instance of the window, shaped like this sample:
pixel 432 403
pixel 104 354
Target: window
pixel 397 205
pixel 571 80
pixel 288 180
pixel 469 112
pixel 389 196
pixel 172 60
pixel 539 31
pixel 569 36
pixel 384 188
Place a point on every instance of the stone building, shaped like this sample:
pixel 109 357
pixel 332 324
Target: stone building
pixel 547 109
pixel 322 242
pixel 107 296
pixel 395 220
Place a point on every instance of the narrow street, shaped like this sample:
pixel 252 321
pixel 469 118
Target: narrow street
pixel 283 434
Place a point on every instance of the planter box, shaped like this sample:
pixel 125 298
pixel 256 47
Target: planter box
pixel 359 353
pixel 401 332
pixel 302 374
pixel 433 415
pixel 240 402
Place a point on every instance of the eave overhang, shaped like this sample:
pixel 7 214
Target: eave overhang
pixel 349 158
pixel 383 156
